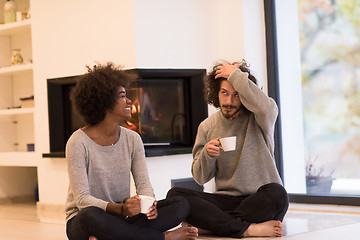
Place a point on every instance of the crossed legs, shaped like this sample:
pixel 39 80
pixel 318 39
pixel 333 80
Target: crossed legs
pixel 95 222
pixel 259 214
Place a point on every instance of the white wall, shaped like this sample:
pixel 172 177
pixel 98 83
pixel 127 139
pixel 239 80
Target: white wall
pixel 184 34
pixel 67 35
pixel 254 39
pixel 175 34
pixel 187 33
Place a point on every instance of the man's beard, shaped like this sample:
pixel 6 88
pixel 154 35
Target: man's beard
pixel 229 115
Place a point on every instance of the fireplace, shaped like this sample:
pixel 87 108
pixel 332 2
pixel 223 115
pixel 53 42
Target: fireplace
pixel 167 107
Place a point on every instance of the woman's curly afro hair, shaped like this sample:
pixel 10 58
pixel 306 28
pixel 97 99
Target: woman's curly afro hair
pixel 212 85
pixel 96 92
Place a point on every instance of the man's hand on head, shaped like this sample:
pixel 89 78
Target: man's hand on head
pixel 225 70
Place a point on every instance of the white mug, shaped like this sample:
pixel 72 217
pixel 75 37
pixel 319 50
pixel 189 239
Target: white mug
pixel 145 203
pixel 228 143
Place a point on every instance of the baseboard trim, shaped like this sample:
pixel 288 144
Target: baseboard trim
pixel 50 213
pixel 334 200
pixel 17 199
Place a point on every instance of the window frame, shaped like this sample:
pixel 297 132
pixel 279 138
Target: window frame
pixel 272 66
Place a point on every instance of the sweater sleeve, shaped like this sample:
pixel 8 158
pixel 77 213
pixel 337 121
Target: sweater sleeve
pixel 139 168
pixel 255 100
pixel 77 164
pixel 203 167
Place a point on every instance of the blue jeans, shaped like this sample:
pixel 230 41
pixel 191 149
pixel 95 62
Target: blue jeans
pixel 231 215
pixel 93 221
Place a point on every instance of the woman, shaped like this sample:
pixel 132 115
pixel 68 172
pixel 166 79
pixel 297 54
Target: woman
pixel 100 158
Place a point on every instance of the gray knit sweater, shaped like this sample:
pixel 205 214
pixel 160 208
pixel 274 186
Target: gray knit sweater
pixel 252 164
pixel 101 174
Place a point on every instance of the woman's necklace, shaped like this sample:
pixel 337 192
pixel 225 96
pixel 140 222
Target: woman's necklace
pixel 115 139
pixel 100 138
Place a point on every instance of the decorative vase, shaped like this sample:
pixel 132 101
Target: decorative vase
pixel 9 11
pixel 318 185
pixel 16 57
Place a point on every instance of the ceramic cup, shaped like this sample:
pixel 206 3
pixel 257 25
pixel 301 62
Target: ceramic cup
pixel 228 143
pixel 145 203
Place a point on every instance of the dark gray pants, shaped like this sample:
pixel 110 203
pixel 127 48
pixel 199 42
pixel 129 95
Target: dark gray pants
pixel 231 216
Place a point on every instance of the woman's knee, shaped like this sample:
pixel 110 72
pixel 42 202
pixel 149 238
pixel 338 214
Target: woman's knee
pixel 176 191
pixel 181 205
pixel 90 211
pixel 173 210
pixel 79 226
pixel 89 214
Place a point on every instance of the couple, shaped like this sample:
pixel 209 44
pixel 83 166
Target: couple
pixel 249 198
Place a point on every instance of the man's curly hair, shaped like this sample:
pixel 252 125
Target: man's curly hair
pixel 96 91
pixel 212 85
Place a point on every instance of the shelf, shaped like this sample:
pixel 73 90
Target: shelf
pixel 18 159
pixel 15 28
pixel 17 111
pixel 54 155
pixel 11 70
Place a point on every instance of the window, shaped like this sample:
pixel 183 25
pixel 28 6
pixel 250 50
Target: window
pixel 314 45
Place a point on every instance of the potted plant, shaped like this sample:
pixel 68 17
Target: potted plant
pixel 317 180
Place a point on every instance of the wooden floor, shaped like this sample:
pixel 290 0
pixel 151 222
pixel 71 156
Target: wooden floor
pixel 20 222
pixel 302 222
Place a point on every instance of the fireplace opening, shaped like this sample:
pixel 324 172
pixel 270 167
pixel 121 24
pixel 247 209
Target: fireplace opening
pixel 167 107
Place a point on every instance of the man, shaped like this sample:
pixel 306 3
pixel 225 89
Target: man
pixel 249 199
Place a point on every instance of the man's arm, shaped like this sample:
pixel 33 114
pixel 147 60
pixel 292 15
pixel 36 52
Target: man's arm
pixel 255 100
pixel 251 96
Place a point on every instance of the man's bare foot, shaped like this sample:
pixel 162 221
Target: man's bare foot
pixel 92 238
pixel 182 233
pixel 272 228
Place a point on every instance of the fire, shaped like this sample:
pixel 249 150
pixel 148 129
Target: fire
pixel 133 109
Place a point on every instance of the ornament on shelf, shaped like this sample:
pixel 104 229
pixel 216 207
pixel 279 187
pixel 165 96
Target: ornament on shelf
pixel 16 57
pixel 21 16
pixel 9 11
pixel 28 14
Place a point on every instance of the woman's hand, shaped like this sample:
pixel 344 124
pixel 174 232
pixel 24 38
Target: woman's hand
pixel 131 207
pixel 225 70
pixel 153 211
pixel 213 148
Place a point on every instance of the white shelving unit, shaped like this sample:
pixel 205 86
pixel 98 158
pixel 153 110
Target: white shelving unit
pixel 16 81
pixel 17 111
pixel 15 28
pixel 18 166
pixel 11 70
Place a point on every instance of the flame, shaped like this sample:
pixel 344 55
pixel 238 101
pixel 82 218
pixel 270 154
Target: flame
pixel 133 109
